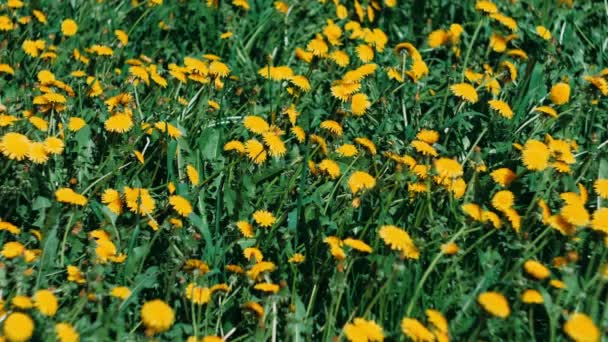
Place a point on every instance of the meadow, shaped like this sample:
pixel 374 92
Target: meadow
pixel 256 170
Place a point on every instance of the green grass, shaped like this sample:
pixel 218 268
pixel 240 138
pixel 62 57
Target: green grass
pixel 318 297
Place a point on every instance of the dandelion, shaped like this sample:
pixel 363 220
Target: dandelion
pixel 264 218
pixel 495 304
pixel 13 249
pixel 329 167
pixel 416 331
pixel 157 316
pixel 448 168
pixel 297 258
pixel 69 27
pixel 67 195
pixel 503 176
pixel 347 150
pixel 357 245
pixel 276 147
pixel 359 104
pixel 119 123
pixel 601 187
pixel 46 302
pixel 399 240
pixel 360 180
pixel 66 333
pixel 181 205
pixel 197 294
pixel 428 136
pixel 437 319
pixel 543 32
pixel 139 200
pixel 560 93
pixel 600 220
pixel 267 287
pixel 424 148
pixel 465 91
pixel 75 275
pixel 363 330
pixel 255 151
pixel 367 144
pixel 450 248
pixel 503 200
pixel 18 327
pixel 530 296
pixel 245 228
pixel 535 155
pixel 502 108
pixel 14 146
pixel 120 292
pixel 580 328
pixel 536 270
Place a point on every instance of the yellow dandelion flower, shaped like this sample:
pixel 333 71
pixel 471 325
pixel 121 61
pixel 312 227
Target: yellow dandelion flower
pixel 580 328
pixel 503 176
pixel 235 145
pixel 503 200
pixel 438 37
pixel 531 296
pixel 22 302
pixel 276 146
pixel 65 332
pixel 255 124
pixel 428 136
pixel 575 214
pixel 46 302
pixel 120 292
pixel 502 108
pixel 450 248
pixel 67 195
pixel 75 275
pixel 448 168
pixel 465 91
pixel 157 316
pixel 507 21
pixel 340 57
pixel 560 93
pixel 543 32
pixel 486 6
pixel 399 240
pixel 69 27
pixel 255 308
pixel 361 180
pixel 14 146
pixel 535 155
pixel 357 245
pixel 267 287
pixel 330 168
pixel 472 210
pixel 255 151
pixel 600 220
pixel 139 200
pixel 601 187
pixel 332 126
pixel 264 218
pixel 424 148
pixel 197 294
pixel 181 205
pixel 359 104
pixel 437 320
pixel 347 150
pixel 37 153
pixel 416 331
pixel 297 258
pixel 362 330
pixel 367 144
pixel 119 123
pixel 494 303
pixel 245 228
pixel 18 327
pixel 536 270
